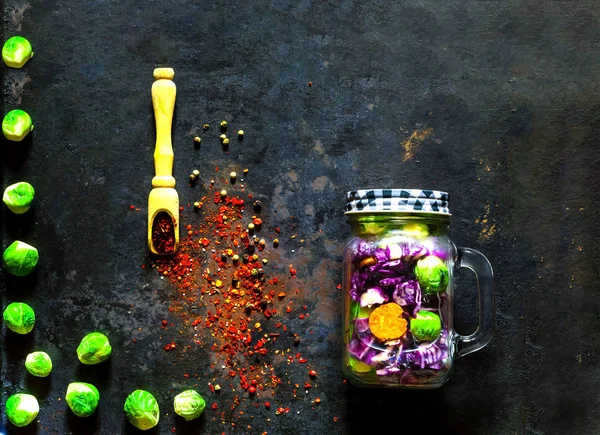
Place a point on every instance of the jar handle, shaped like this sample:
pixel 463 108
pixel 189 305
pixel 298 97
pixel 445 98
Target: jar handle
pixel 478 263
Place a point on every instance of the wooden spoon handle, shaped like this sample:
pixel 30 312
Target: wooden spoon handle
pixel 164 92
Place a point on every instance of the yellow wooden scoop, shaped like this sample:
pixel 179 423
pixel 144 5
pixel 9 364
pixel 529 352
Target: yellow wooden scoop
pixel 163 202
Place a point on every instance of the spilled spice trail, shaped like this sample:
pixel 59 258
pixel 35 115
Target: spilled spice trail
pixel 233 299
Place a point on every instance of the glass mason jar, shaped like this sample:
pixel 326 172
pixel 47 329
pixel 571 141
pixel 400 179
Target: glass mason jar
pixel 398 290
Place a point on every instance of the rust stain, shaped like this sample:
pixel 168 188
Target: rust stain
pixel 320 183
pixel 489 227
pixel 413 141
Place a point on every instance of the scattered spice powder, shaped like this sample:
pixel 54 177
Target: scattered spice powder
pixel 223 288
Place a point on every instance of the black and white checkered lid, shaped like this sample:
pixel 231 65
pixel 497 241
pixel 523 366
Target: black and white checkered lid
pixel 397 200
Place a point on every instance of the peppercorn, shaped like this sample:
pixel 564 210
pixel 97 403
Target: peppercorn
pixel 262 242
pixel 224 125
pixel 260 272
pixel 225 142
pixel 205 127
pixel 240 134
pixel 223 256
pixel 245 258
pixel 212 181
pixel 257 206
pixel 275 243
pixel 296 339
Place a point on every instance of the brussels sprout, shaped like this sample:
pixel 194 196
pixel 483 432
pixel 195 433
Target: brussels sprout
pixel 38 364
pixel 18 197
pixel 189 404
pixel 141 409
pixel 82 398
pixel 426 326
pixel 358 366
pixel 432 274
pixel 418 231
pixel 19 317
pixel 94 348
pixel 16 52
pixel 22 409
pixel 16 125
pixel 20 258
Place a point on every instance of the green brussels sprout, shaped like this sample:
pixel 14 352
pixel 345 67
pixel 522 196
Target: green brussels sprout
pixel 82 398
pixel 21 409
pixel 16 125
pixel 20 258
pixel 189 404
pixel 141 409
pixel 418 231
pixel 94 348
pixel 432 274
pixel 38 364
pixel 426 326
pixel 16 52
pixel 18 197
pixel 19 317
pixel 358 366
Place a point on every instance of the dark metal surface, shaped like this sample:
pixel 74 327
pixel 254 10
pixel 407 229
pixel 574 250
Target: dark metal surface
pixel 495 102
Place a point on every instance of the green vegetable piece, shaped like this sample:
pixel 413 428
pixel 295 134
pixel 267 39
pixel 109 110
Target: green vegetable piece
pixel 19 317
pixel 18 197
pixel 432 274
pixel 426 326
pixel 21 409
pixel 358 366
pixel 20 258
pixel 141 409
pixel 16 124
pixel 38 364
pixel 82 398
pixel 189 404
pixel 16 52
pixel 94 348
pixel 418 231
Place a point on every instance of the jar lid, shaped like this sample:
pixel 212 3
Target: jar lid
pixel 397 200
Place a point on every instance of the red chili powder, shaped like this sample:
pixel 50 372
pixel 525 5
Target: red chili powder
pixel 163 233
pixel 227 303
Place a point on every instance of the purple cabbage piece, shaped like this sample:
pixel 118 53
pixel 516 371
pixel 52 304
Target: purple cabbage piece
pixel 431 356
pixel 374 295
pixel 361 349
pixel 412 252
pixel 408 294
pixel 363 250
pixel 361 325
